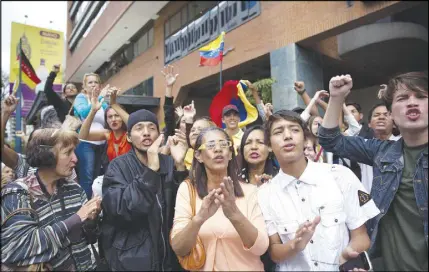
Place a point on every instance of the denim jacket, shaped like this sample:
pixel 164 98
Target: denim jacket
pixel 387 160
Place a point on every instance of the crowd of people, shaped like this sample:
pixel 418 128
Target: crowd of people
pixel 301 191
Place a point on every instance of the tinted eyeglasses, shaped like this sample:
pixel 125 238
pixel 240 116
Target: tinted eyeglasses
pixel 210 145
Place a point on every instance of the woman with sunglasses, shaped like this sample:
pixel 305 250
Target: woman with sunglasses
pixel 62 104
pixel 228 219
pixel 193 129
pixel 89 152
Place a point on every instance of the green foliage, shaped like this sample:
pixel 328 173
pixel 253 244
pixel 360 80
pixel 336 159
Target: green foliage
pixel 264 90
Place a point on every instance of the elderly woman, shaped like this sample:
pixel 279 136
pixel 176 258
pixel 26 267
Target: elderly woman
pixel 228 219
pixel 45 218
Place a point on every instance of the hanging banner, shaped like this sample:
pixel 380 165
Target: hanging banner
pixel 43 48
pixel 226 16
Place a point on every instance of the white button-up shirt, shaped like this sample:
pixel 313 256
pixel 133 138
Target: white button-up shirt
pixel 330 191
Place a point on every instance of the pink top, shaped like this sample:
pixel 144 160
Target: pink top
pixel 224 249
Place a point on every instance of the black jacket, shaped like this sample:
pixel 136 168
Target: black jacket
pixel 138 211
pixel 169 120
pixel 366 131
pixel 62 106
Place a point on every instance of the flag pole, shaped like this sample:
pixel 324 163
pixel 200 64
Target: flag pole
pixel 220 75
pixel 218 30
pixel 18 109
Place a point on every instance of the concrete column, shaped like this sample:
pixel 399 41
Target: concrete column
pixel 294 63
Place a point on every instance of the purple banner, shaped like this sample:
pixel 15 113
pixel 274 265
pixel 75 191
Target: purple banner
pixel 28 96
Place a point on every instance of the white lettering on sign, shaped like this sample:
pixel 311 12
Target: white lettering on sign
pixel 224 17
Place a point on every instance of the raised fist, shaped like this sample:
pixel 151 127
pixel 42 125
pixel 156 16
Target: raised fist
pixel 299 86
pixel 56 68
pixel 340 86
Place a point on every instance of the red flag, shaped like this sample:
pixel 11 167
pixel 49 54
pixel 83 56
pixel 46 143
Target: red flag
pixel 28 69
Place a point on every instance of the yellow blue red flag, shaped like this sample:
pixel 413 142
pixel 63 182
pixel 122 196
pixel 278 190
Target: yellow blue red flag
pixel 233 92
pixel 212 54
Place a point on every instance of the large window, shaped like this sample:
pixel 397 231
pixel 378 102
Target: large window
pixel 81 11
pixel 95 19
pixel 87 15
pixel 186 14
pixel 140 43
pixel 145 88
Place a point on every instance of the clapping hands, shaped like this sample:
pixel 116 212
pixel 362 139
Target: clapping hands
pixel 304 234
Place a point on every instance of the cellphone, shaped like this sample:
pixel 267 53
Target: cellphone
pixel 362 261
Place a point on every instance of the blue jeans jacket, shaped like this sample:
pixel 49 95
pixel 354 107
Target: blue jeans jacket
pixel 386 158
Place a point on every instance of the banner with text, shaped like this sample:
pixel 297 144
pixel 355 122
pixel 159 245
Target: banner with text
pixel 44 48
pixel 224 17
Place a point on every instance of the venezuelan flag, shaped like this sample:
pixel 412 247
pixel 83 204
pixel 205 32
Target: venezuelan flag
pixel 29 76
pixel 212 54
pixel 233 92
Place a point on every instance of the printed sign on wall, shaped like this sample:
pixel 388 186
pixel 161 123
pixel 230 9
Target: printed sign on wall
pixel 43 48
pixel 224 17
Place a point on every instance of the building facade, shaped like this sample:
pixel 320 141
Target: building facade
pixel 129 42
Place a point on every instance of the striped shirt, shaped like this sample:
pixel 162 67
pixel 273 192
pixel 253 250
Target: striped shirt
pixel 57 237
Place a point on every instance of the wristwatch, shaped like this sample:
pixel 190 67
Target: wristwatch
pixel 301 92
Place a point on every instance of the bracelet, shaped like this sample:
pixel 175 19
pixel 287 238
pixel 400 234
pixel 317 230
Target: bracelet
pixel 301 92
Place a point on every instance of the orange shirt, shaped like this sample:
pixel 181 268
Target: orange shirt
pixel 123 145
pixel 224 249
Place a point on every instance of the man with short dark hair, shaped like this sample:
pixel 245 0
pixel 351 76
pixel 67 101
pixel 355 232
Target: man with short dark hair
pixel 139 193
pixel 380 121
pixel 309 231
pixel 231 119
pixel 400 168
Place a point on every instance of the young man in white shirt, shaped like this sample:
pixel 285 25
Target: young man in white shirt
pixel 315 212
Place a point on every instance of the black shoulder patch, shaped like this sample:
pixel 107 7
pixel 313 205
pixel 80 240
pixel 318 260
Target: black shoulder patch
pixel 363 197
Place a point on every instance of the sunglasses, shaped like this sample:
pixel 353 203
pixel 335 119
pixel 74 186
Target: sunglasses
pixel 212 145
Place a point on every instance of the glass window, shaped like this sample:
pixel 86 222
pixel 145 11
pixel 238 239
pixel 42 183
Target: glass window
pixel 81 11
pixel 175 22
pixel 142 43
pixel 145 88
pixel 129 53
pixel 150 35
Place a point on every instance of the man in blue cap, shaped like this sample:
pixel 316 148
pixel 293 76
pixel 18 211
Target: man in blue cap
pixel 139 192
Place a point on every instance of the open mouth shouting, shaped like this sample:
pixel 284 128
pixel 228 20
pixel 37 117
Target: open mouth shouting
pixel 413 114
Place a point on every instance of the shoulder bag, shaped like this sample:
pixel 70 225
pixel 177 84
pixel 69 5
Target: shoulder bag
pixel 31 267
pixel 197 256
